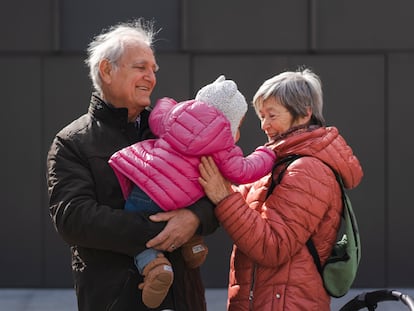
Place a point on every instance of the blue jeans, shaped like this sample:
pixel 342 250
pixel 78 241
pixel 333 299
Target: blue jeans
pixel 139 201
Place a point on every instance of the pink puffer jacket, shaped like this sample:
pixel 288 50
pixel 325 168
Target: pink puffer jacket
pixel 167 168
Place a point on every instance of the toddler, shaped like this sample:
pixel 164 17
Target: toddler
pixel 162 174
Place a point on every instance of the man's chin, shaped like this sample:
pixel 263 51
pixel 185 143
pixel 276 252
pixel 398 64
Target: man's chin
pixel 144 103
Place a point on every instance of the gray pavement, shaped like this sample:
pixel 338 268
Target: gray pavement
pixel 64 300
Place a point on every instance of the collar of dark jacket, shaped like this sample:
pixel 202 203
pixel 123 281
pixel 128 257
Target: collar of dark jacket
pixel 101 110
pixel 107 113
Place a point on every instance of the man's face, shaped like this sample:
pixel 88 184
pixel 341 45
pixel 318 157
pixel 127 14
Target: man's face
pixel 131 82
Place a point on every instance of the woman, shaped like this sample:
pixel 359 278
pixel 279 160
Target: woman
pixel 271 267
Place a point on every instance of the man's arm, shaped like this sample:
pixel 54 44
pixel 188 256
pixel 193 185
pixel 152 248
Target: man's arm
pixel 77 214
pixel 183 224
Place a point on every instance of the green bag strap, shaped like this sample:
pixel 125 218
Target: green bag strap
pixel 347 208
pixel 349 216
pixel 287 161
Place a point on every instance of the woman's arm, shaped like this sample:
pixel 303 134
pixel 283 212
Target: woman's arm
pixel 215 185
pixel 271 234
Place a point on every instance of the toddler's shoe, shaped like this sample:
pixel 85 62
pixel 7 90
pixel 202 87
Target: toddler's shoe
pixel 158 277
pixel 194 252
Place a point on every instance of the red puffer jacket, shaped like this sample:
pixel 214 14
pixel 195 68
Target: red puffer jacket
pixel 271 268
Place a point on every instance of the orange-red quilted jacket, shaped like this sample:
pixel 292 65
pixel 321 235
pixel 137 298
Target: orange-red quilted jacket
pixel 271 268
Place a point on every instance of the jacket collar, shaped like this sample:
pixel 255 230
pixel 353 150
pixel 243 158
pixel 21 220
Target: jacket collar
pixel 118 117
pixel 107 113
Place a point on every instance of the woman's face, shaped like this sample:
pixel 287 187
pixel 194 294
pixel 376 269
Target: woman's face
pixel 276 119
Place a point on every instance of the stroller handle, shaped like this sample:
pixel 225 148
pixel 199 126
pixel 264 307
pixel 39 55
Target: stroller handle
pixel 407 300
pixel 370 300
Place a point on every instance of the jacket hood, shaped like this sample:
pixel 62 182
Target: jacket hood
pixel 196 128
pixel 325 144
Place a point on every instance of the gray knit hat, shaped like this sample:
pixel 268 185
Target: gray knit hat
pixel 223 95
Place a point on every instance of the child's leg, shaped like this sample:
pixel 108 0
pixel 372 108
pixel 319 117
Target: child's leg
pixel 144 258
pixel 194 252
pixel 158 277
pixel 152 264
pixel 139 201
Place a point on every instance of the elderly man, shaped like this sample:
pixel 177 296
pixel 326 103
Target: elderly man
pixel 86 202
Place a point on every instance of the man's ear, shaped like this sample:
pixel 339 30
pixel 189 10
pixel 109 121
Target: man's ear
pixel 105 70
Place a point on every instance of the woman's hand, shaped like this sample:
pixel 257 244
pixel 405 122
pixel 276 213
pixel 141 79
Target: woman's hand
pixel 215 185
pixel 181 226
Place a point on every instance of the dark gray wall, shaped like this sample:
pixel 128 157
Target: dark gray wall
pixel 363 51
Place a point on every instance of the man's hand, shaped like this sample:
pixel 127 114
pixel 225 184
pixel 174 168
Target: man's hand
pixel 181 226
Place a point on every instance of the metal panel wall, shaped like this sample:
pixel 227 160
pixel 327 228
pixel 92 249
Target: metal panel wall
pixel 364 56
pixel 399 174
pixel 27 26
pixel 363 25
pixel 81 20
pixel 239 26
pixel 21 223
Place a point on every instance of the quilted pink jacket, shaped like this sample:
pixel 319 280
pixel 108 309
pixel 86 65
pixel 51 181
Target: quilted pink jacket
pixel 166 168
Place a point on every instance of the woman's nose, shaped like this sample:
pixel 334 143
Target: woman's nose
pixel 265 124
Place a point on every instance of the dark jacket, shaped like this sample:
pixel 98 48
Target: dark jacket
pixel 86 206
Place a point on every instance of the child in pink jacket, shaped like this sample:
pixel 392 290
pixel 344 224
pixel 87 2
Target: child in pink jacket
pixel 162 174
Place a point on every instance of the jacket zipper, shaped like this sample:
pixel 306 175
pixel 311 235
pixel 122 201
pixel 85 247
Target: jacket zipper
pixel 251 295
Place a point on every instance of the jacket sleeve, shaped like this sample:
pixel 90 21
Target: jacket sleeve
pixel 241 170
pixel 76 213
pixel 204 210
pixel 271 234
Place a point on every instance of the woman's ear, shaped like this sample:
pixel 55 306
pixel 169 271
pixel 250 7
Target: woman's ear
pixel 105 70
pixel 308 113
pixel 304 119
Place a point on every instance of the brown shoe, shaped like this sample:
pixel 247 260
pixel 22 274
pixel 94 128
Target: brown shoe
pixel 158 277
pixel 194 252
